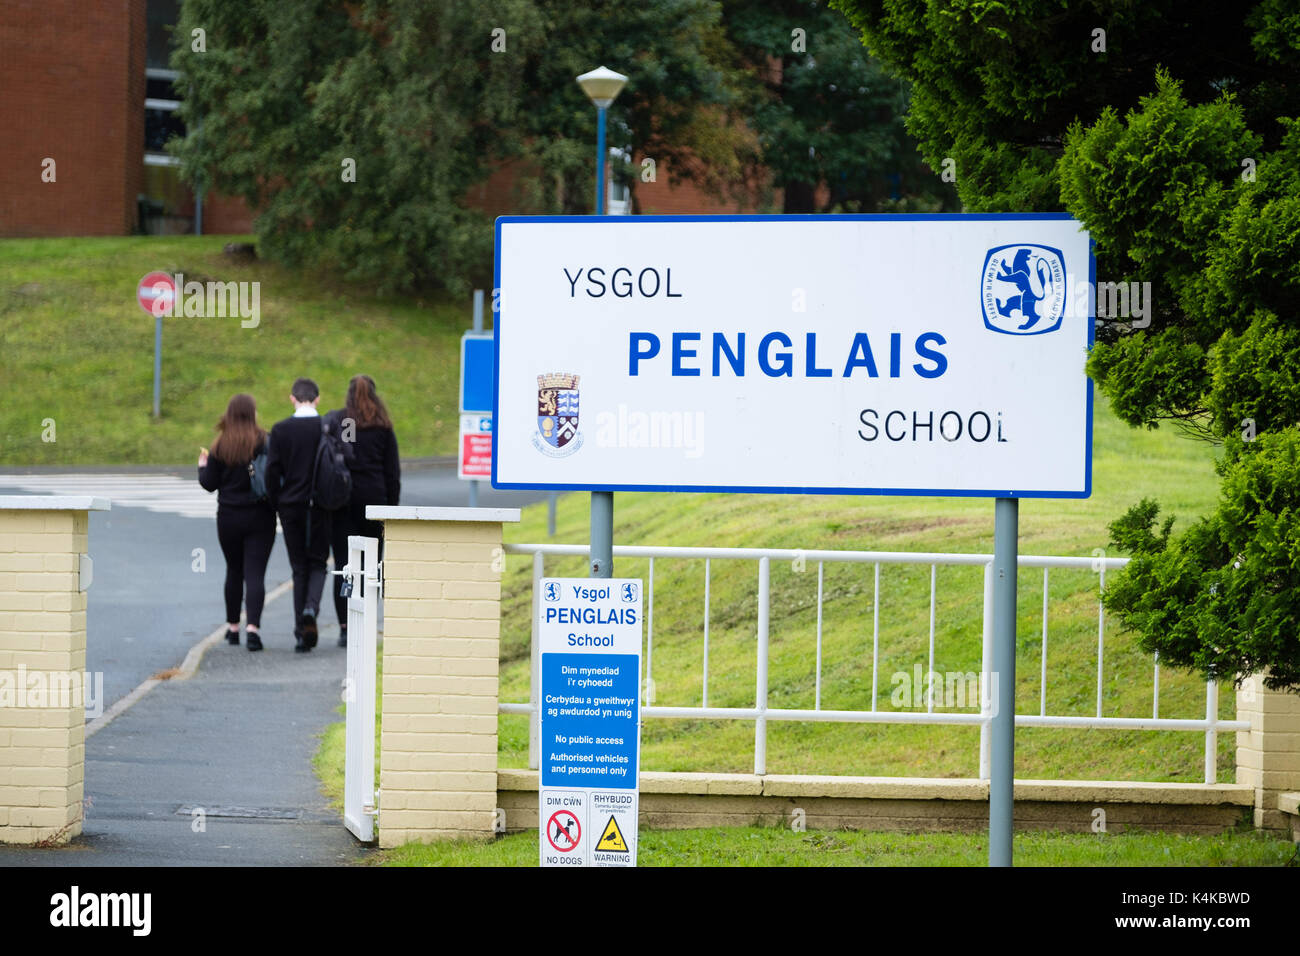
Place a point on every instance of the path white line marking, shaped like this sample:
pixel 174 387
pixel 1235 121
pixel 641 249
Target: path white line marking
pixel 165 494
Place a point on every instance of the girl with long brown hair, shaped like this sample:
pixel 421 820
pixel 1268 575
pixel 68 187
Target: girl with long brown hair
pixel 376 476
pixel 245 519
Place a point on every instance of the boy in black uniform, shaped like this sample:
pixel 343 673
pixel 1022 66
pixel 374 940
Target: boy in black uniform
pixel 290 463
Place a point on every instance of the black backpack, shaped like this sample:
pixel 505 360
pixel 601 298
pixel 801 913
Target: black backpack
pixel 331 479
pixel 257 477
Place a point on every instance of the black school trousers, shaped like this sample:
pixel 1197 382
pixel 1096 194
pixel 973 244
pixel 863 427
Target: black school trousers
pixel 308 544
pixel 346 521
pixel 246 534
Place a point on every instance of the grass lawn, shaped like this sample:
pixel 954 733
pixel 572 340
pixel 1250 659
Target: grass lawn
pixel 769 846
pixel 77 348
pixel 330 760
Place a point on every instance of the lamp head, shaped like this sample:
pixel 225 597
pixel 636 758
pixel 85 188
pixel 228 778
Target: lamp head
pixel 602 86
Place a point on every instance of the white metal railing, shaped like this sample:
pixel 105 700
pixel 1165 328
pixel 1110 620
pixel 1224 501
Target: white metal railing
pixel 760 713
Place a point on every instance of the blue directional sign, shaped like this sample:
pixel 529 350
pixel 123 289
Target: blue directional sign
pixel 477 372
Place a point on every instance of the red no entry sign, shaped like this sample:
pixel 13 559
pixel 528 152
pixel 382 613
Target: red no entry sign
pixel 156 293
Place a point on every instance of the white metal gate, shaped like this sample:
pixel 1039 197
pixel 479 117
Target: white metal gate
pixel 362 574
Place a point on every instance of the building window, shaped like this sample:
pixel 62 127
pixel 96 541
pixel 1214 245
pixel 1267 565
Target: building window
pixel 160 120
pixel 166 206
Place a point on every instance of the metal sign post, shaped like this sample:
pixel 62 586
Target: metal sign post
pixel 157 366
pixel 156 293
pixel 1006 530
pixel 602 534
pixel 602 502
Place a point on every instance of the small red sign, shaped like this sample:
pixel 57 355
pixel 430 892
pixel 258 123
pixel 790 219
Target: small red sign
pixel 476 456
pixel 156 293
pixel 475 446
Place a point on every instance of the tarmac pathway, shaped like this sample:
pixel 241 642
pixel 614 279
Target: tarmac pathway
pixel 216 770
pixel 234 741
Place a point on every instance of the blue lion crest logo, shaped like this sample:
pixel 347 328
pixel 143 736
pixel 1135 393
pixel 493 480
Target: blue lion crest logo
pixel 1023 289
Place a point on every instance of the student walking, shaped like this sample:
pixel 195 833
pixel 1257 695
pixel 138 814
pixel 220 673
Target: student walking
pixel 245 519
pixel 290 474
pixel 363 423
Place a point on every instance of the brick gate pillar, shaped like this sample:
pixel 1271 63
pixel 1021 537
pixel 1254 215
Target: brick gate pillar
pixel 1268 755
pixel 44 573
pixel 442 617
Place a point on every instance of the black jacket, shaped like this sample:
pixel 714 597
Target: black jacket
pixel 230 482
pixel 375 466
pixel 291 458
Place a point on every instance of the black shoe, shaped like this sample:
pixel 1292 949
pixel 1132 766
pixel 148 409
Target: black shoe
pixel 232 636
pixel 309 633
pixel 343 637
pixel 254 641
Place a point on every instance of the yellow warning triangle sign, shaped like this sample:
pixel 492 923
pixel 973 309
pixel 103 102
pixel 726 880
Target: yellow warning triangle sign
pixel 611 841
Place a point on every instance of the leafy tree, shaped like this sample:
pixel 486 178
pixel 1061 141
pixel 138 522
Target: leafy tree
pixel 677 107
pixel 826 113
pixel 1172 138
pixel 291 93
pixel 426 97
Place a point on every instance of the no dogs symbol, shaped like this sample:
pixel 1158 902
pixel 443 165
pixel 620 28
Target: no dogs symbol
pixel 563 831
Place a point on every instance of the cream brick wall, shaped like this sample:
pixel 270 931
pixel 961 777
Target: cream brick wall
pixel 438 744
pixel 1268 755
pixel 42 630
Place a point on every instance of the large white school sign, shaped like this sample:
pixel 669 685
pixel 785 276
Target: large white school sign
pixel 920 355
pixel 938 355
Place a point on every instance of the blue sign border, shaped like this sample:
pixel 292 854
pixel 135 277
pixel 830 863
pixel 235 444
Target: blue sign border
pixel 808 490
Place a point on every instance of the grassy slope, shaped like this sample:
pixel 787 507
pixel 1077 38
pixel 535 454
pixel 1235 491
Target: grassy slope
pixel 1127 465
pixel 79 350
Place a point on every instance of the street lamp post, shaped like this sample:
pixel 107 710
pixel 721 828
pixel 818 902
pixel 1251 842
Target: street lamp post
pixel 602 87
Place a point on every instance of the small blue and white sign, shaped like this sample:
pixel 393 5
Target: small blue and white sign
pixel 477 372
pixel 589 632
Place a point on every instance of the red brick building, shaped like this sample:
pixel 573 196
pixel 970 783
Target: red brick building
pixel 85 104
pixel 72 111
pixel 87 100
